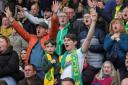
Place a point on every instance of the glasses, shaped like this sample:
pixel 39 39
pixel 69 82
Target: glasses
pixel 61 16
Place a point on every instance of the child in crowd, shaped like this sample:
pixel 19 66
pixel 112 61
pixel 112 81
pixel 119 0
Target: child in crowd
pixel 51 64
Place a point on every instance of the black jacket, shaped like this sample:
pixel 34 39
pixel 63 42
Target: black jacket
pixel 34 81
pixel 9 63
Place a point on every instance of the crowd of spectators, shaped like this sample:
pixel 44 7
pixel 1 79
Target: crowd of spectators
pixel 63 42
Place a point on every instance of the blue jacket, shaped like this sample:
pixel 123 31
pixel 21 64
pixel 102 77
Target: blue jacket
pixel 109 10
pixel 121 47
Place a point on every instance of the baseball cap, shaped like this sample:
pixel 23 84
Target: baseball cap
pixel 43 24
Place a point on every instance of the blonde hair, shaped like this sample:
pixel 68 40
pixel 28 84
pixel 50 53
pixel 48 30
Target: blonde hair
pixel 125 8
pixel 116 20
pixel 101 74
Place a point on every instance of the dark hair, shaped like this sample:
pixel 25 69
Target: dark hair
pixel 23 49
pixel 49 41
pixel 68 79
pixel 6 39
pixel 71 36
pixel 3 82
pixel 33 66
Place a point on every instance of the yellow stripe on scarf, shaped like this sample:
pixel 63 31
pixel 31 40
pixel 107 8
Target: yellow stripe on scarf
pixel 50 73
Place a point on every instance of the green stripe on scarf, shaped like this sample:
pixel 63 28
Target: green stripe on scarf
pixel 75 67
pixel 126 27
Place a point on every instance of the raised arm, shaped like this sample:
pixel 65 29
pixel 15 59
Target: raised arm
pixel 87 41
pixel 31 18
pixel 54 20
pixel 16 25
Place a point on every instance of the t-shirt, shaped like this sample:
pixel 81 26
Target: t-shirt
pixel 36 55
pixel 67 72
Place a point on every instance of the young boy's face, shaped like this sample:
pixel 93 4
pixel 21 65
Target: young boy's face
pixel 69 44
pixel 50 48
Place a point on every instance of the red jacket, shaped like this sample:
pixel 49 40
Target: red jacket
pixel 32 39
pixel 105 81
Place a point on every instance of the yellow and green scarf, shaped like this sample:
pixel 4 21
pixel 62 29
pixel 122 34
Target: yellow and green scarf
pixel 75 66
pixel 49 76
pixel 126 27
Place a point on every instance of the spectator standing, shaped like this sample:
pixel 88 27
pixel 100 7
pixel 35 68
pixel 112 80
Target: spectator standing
pixel 115 43
pixel 5 28
pixel 35 49
pixel 110 9
pixel 51 65
pixel 72 61
pixel 64 28
pixel 95 56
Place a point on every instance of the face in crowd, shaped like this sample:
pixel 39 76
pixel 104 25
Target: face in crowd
pixel 23 54
pixel 116 26
pixel 20 15
pixel 70 13
pixel 119 15
pixel 69 44
pixel 47 14
pixel 125 14
pixel 87 19
pixel 29 71
pixel 107 68
pixel 5 22
pixel 40 31
pixel 63 19
pixel 4 44
pixel 34 9
pixel 50 48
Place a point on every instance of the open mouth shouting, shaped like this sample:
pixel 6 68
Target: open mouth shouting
pixel 66 46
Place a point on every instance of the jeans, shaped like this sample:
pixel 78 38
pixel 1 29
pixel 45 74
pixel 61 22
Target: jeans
pixel 9 80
